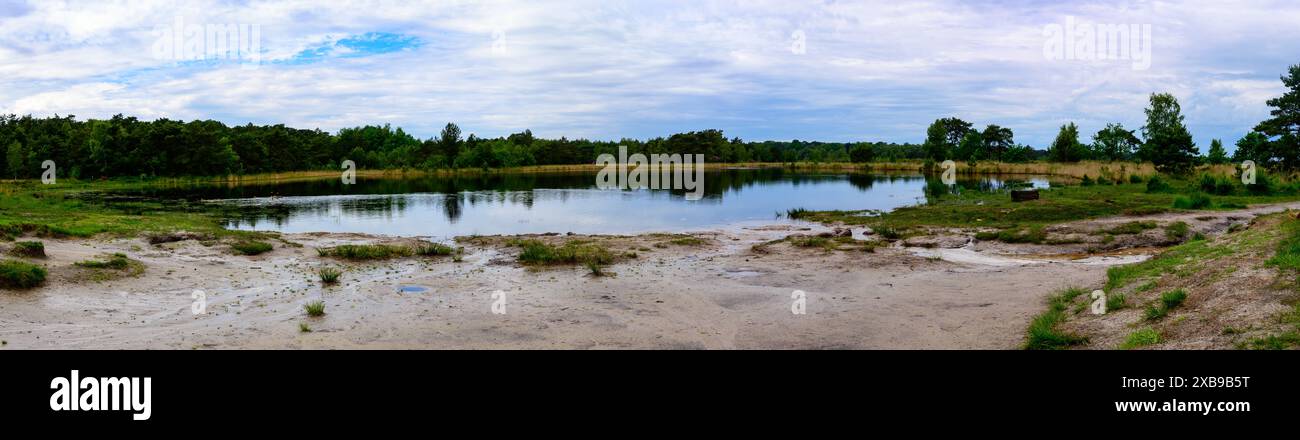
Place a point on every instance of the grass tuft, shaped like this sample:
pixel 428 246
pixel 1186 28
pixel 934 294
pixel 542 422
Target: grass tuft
pixel 315 308
pixel 329 275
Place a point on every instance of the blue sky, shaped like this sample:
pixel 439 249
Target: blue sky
pixel 817 70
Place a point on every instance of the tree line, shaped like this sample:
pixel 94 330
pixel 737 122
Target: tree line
pixel 1165 140
pixel 127 146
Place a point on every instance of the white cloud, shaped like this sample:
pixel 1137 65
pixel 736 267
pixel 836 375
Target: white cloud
pixel 612 69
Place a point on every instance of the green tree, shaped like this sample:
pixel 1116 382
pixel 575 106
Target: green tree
pixel 1114 143
pixel 1283 128
pixel 1254 146
pixel 944 136
pixel 996 141
pixel 1066 147
pixel 449 140
pixel 971 147
pixel 861 153
pixel 15 158
pixel 1216 155
pixel 1168 142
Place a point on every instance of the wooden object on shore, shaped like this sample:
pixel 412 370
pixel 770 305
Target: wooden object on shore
pixel 1021 195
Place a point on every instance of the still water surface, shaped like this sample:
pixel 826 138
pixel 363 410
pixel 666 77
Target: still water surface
pixel 558 202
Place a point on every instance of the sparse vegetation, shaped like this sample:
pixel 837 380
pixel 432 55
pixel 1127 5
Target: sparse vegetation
pixel 571 252
pixel 1043 333
pixel 304 328
pixel 366 251
pixel 432 249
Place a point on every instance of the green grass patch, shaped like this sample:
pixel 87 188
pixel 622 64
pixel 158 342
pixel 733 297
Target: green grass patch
pixel 1043 333
pixel 1129 228
pixel 116 261
pixel 29 249
pixel 1141 338
pixel 366 251
pixel 16 274
pixel 571 252
pixel 250 247
pixel 1176 230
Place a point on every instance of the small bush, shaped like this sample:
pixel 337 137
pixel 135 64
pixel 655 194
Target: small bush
pixel 304 328
pixel 1134 178
pixel 1087 181
pixel 250 247
pixel 329 275
pixel 315 308
pixel 1141 338
pixel 1196 200
pixel 1156 184
pixel 16 274
pixel 1217 185
pixel 33 249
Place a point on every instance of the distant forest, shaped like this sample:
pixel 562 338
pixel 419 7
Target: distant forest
pixel 126 146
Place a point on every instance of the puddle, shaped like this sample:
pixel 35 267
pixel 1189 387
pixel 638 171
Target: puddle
pixel 965 255
pixel 411 289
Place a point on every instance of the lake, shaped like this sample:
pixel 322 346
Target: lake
pixel 444 207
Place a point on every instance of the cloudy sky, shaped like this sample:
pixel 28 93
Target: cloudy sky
pixel 783 69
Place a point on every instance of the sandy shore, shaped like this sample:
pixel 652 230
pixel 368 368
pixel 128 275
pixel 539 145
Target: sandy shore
pixel 717 295
pixel 948 291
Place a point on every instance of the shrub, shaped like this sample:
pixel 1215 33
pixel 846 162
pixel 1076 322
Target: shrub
pixel 1157 184
pixel 1087 181
pixel 1134 178
pixel 33 249
pixel 1196 200
pixel 250 247
pixel 1216 185
pixel 16 274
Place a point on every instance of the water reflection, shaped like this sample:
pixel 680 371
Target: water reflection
pixel 558 202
